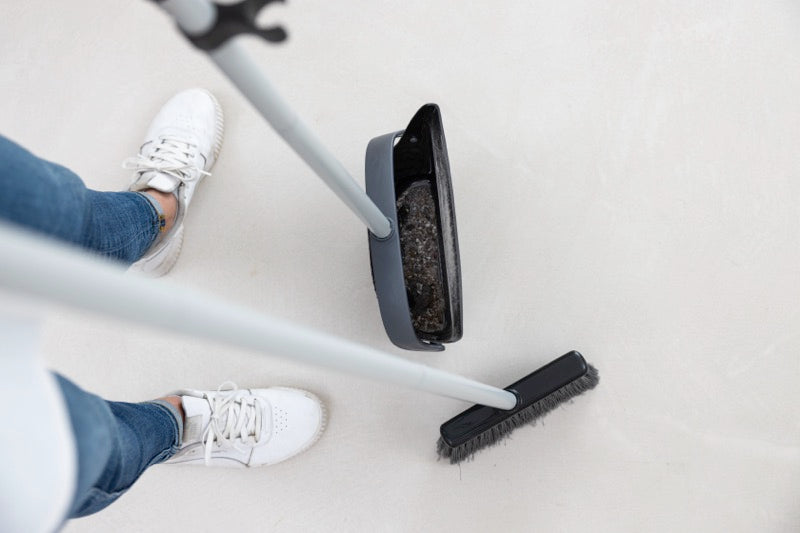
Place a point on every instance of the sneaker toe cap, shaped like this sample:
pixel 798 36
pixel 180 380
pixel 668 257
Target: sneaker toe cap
pixel 298 420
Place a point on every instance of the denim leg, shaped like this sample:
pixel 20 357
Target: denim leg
pixel 53 200
pixel 122 225
pixel 116 443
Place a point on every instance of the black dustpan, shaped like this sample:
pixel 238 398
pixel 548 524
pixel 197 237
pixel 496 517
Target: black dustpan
pixel 416 269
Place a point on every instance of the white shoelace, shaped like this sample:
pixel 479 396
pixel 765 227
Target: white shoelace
pixel 172 156
pixel 236 415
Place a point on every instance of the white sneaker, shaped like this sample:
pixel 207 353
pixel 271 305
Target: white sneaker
pixel 181 146
pixel 246 428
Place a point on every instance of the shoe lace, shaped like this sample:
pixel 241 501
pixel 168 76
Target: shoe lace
pixel 236 419
pixel 172 156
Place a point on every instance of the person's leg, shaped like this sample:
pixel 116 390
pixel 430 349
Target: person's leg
pixel 143 226
pixel 116 442
pixel 51 199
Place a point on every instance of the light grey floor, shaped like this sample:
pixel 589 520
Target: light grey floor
pixel 627 183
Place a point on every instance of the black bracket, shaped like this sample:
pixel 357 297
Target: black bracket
pixel 236 19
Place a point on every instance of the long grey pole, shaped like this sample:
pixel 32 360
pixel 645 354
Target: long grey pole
pixel 35 267
pixel 195 17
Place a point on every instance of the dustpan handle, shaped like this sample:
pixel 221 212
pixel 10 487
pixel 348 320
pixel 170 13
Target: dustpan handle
pixel 195 17
pixel 35 267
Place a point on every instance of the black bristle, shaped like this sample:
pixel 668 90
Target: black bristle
pixel 527 415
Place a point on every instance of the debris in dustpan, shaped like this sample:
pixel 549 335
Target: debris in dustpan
pixel 419 247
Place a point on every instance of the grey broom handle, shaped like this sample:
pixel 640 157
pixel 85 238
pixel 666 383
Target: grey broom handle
pixel 35 267
pixel 195 17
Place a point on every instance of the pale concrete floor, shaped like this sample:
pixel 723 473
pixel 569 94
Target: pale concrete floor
pixel 627 184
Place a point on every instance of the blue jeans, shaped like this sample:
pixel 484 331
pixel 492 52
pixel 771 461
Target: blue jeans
pixel 115 441
pixel 51 199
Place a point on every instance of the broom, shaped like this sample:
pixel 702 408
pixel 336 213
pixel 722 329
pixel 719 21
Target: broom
pixel 45 269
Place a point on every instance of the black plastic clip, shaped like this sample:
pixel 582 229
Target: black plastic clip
pixel 236 19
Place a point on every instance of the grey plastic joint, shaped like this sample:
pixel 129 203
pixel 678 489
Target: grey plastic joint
pixel 194 17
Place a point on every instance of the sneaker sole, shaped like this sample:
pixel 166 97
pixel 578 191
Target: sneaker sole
pixel 219 129
pixel 173 251
pixel 323 423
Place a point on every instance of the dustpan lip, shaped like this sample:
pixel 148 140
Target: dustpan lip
pixel 385 255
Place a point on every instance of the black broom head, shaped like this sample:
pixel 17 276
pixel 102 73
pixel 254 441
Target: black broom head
pixel 537 394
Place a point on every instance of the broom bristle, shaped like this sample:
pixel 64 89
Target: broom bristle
pixel 527 415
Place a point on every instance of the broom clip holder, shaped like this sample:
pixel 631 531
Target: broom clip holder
pixel 231 20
